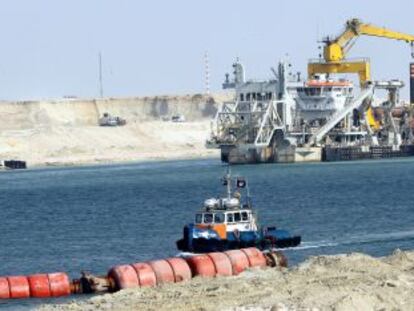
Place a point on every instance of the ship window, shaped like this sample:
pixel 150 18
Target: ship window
pixel 237 217
pixel 245 216
pixel 254 95
pixel 198 218
pixel 242 97
pixel 313 91
pixel 248 96
pixel 219 218
pixel 337 89
pixel 259 96
pixel 328 89
pixel 208 218
pixel 230 217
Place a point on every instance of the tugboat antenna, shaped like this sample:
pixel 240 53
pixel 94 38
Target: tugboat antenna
pixel 249 199
pixel 228 179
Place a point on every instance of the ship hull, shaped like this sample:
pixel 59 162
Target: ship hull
pixel 268 238
pixel 325 154
pixel 202 245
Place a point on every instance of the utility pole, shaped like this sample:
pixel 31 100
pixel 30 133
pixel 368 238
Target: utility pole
pixel 101 93
pixel 206 74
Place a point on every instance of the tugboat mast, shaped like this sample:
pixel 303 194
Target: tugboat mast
pixel 228 182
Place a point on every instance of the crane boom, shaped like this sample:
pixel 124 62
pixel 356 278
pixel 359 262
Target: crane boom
pixel 335 50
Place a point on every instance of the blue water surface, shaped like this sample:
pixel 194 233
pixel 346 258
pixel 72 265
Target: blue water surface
pixel 91 218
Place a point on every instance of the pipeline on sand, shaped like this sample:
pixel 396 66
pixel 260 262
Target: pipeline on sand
pixel 151 273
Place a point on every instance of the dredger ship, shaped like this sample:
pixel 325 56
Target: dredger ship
pixel 231 223
pixel 322 118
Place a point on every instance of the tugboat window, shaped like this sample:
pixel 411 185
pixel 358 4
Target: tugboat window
pixel 230 217
pixel 208 218
pixel 219 218
pixel 237 217
pixel 198 218
pixel 245 216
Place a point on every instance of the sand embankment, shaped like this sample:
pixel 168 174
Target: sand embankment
pixel 340 282
pixel 64 132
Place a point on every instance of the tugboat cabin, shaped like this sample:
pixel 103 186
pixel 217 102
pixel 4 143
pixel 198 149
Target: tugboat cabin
pixel 226 216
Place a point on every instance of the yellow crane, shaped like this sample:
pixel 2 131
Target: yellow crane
pixel 335 50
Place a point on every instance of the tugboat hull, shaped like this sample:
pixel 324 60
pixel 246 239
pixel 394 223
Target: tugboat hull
pixel 202 245
pixel 267 238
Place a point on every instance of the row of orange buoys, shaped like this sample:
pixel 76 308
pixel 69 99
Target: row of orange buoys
pixel 36 285
pixel 174 270
pixel 141 274
pixel 150 273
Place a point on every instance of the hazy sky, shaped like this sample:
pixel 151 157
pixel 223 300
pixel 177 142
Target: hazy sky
pixel 49 48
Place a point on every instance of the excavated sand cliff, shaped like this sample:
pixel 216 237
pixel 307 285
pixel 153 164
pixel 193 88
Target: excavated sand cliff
pixel 65 132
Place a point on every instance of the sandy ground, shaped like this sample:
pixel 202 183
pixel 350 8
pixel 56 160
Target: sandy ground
pixel 340 282
pixel 137 141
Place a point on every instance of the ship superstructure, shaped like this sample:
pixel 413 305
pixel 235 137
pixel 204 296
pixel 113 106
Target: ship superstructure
pixel 287 119
pixel 323 118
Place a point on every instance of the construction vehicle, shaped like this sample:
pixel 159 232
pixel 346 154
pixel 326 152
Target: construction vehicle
pixel 335 50
pixel 108 120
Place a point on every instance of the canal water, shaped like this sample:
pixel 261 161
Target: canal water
pixel 91 218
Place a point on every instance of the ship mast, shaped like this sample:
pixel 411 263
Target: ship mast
pixel 228 182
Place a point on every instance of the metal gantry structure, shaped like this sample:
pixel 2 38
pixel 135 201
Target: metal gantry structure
pixel 251 123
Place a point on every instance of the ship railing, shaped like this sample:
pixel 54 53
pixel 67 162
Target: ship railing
pixel 340 115
pixel 348 60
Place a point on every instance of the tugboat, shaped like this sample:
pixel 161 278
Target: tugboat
pixel 228 223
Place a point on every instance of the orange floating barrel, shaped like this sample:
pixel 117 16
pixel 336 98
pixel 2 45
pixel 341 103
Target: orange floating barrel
pixel 59 284
pixel 163 271
pixel 201 265
pixel 19 287
pixel 222 264
pixel 146 276
pixel 182 271
pixel 39 285
pixel 239 260
pixel 255 257
pixel 124 276
pixel 4 289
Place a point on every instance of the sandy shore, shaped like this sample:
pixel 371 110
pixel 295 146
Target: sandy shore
pixel 341 282
pixel 137 141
